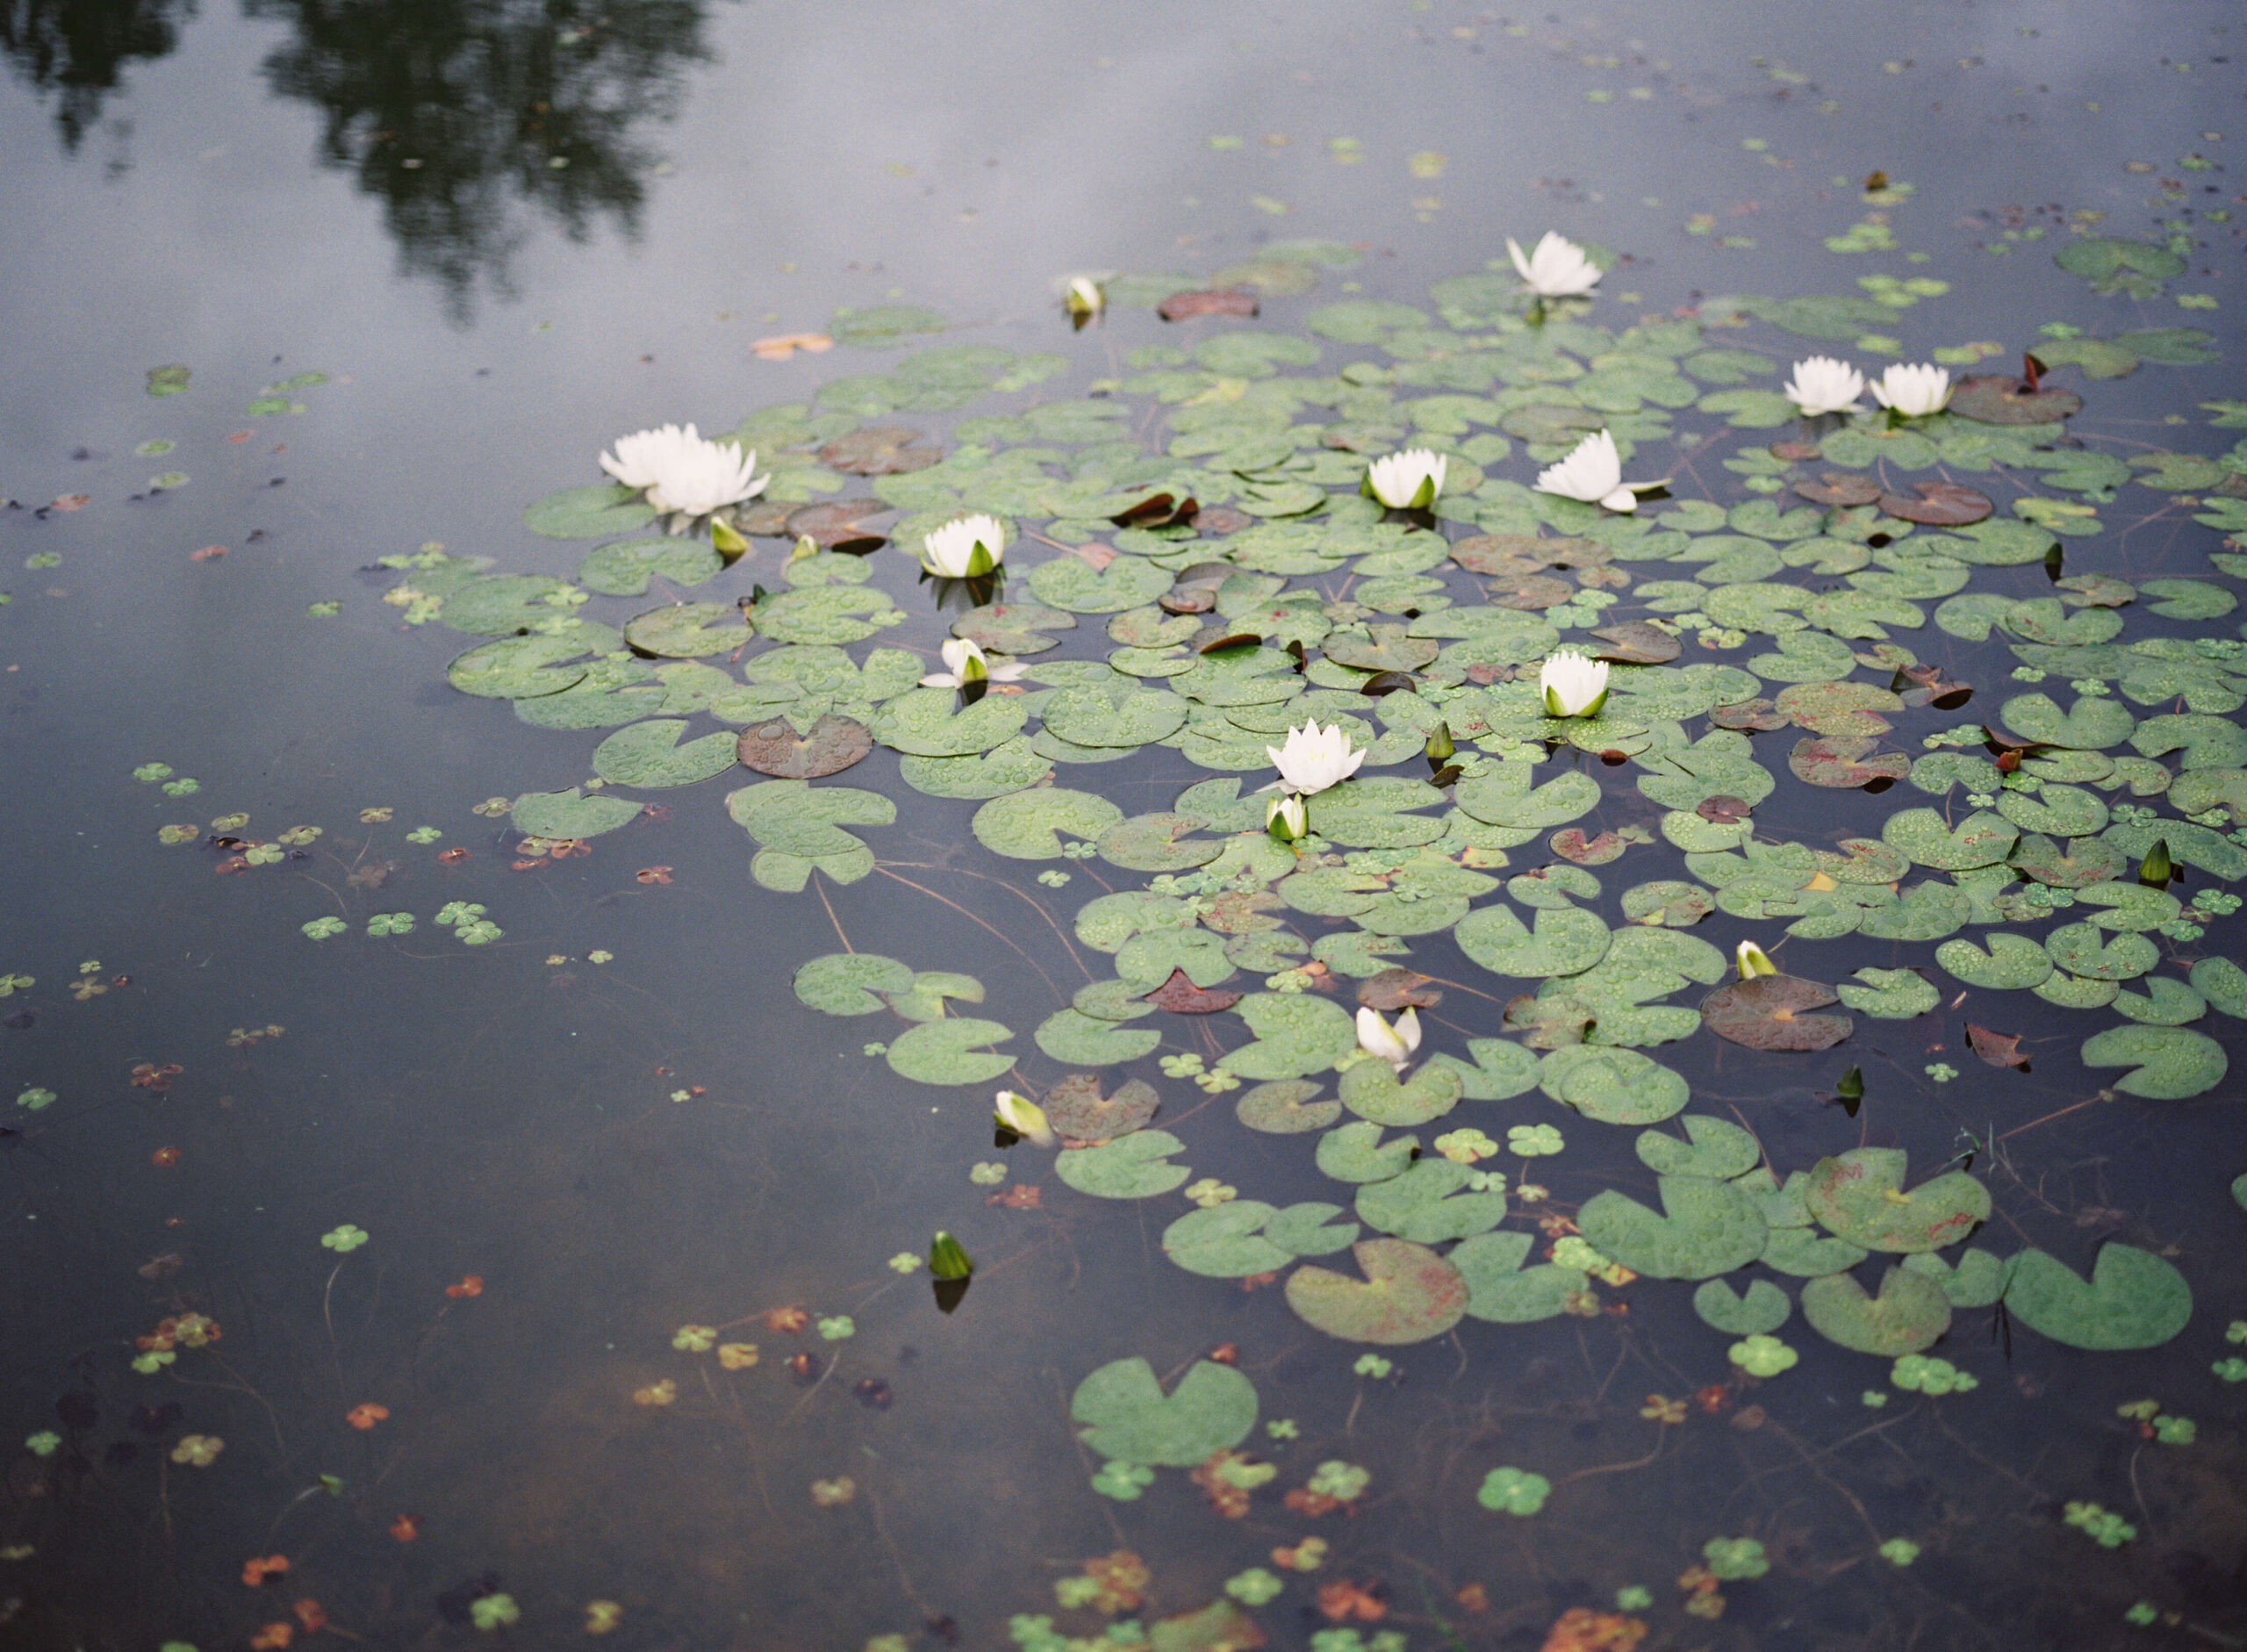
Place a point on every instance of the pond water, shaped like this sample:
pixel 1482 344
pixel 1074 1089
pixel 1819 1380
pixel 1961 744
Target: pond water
pixel 474 1165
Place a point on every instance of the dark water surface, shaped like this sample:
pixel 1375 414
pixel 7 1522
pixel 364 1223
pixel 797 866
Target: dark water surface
pixel 506 233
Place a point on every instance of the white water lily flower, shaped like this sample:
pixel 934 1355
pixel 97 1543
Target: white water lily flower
pixel 1753 961
pixel 682 473
pixel 1394 1044
pixel 1913 391
pixel 1083 299
pixel 1406 481
pixel 1557 269
pixel 1314 758
pixel 1592 472
pixel 965 550
pixel 1822 385
pixel 1024 1116
pixel 1572 685
pixel 1286 818
pixel 965 663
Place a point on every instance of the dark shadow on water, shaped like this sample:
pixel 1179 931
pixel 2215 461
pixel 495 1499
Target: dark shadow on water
pixel 78 50
pixel 472 119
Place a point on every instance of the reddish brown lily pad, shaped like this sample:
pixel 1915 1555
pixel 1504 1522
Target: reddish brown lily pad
pixel 832 746
pixel 1398 989
pixel 838 525
pixel 1183 997
pixel 1750 715
pixel 1190 600
pixel 1157 510
pixel 1724 809
pixel 766 519
pixel 1840 487
pixel 1572 845
pixel 1637 644
pixel 1840 709
pixel 1796 452
pixel 1844 762
pixel 2095 591
pixel 1529 592
pixel 1939 504
pixel 1993 399
pixel 1222 519
pixel 1502 553
pixel 1409 1294
pixel 1769 1013
pixel 886 450
pixel 1182 307
pixel 1076 1109
pixel 1998 1049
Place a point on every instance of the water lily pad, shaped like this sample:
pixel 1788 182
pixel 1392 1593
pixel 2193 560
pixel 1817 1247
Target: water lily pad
pixel 623 570
pixel 1976 1280
pixel 688 630
pixel 1069 582
pixel 1506 797
pixel 847 983
pixel 1709 1227
pixel 1717 1148
pixel 2222 983
pixel 1909 1314
pixel 1077 1039
pixel 1763 1310
pixel 1133 1166
pixel 2133 1299
pixel 829 746
pixel 1127 1418
pixel 518 668
pixel 1503 1291
pixel 1995 399
pixel 1565 941
pixel 825 615
pixel 1222 1242
pixel 1286 1107
pixel 1159 842
pixel 503 605
pixel 1297 1034
pixel 589 513
pixel 1770 1012
pixel 948 1051
pixel 2169 1063
pixel 649 754
pixel 1981 839
pixel 1428 1204
pixel 1409 1294
pixel 570 814
pixel 2011 961
pixel 2085 950
pixel 2091 724
pixel 1021 826
pixel 1858 1196
pixel 1613 1085
pixel 1889 995
pixel 798 818
pixel 1370 1090
pixel 1500 1070
pixel 1356 1152
pixel 1012 766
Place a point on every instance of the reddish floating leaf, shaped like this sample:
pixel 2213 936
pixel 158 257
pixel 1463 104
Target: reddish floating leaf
pixel 885 451
pixel 1181 995
pixel 1723 808
pixel 1183 307
pixel 1796 452
pixel 1767 1013
pixel 1840 487
pixel 1398 989
pixel 1843 762
pixel 1992 399
pixel 1750 715
pixel 835 743
pixel 1075 1108
pixel 1190 600
pixel 1222 519
pixel 1409 1294
pixel 1530 592
pixel 1157 510
pixel 1571 845
pixel 837 525
pixel 1998 1049
pixel 1939 504
pixel 1637 644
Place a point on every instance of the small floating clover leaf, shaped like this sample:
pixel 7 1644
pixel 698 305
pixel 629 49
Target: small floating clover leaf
pixel 837 1327
pixel 904 1262
pixel 149 773
pixel 344 1239
pixel 44 1443
pixel 423 835
pixel 480 932
pixel 494 1612
pixel 988 1176
pixel 1762 1355
pixel 1634 1598
pixel 1283 1428
pixel 197 1451
pixel 1344 1482
pixel 182 788
pixel 1533 1141
pixel 1122 1481
pixel 265 854
pixel 1941 1072
pixel 1917 1372
pixel 694 1339
pixel 1513 1491
pixel 455 912
pixel 2142 1614
pixel 1734 1558
pixel 1899 1551
pixel 2175 1431
pixel 1208 1193
pixel 390 923
pixel 35 1098
pixel 2231 1370
pixel 1375 1366
pixel 2102 1525
pixel 321 929
pixel 1253 1587
pixel 152 1362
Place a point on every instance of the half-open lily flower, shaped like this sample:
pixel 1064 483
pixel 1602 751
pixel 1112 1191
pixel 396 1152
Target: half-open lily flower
pixel 682 473
pixel 1083 299
pixel 1912 391
pixel 1557 269
pixel 1573 686
pixel 1010 1110
pixel 1406 481
pixel 1286 818
pixel 965 550
pixel 1394 1044
pixel 965 663
pixel 1753 961
pixel 1592 472
pixel 1821 384
pixel 1314 758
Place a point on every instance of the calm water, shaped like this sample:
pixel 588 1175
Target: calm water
pixel 506 234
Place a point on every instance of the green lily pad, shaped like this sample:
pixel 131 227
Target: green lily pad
pixel 2011 961
pixel 1976 1281
pixel 1159 842
pixel 649 754
pixel 1717 1148
pixel 1803 1252
pixel 1073 584
pixel 1222 1242
pixel 1501 1069
pixel 2083 948
pixel 1127 1418
pixel 1077 1039
pixel 1858 1196
pixel 1503 1291
pixel 1889 995
pixel 1762 1311
pixel 1370 1090
pixel 1356 1152
pixel 518 668
pixel 1010 766
pixel 1284 1107
pixel 2132 907
pixel 2223 984
pixel 1427 1205
pixel 948 1051
pixel 1409 1294
pixel 1297 1034
pixel 1133 1166
pixel 846 983
pixel 623 570
pixel 1506 798
pixel 1021 825
pixel 589 513
pixel 2169 1063
pixel 1565 941
pixel 825 615
pixel 798 818
pixel 688 630
pixel 1709 1227
pixel 2091 724
pixel 1613 1085
pixel 1909 1314
pixel 2133 1299
pixel 566 814
pixel 1076 1109
pixel 931 990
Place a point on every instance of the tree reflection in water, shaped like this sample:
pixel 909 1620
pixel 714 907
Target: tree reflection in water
pixel 456 112
pixel 78 48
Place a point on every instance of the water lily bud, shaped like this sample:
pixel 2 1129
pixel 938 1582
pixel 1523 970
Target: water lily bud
pixel 1439 746
pixel 1393 1044
pixel 947 1260
pixel 2157 869
pixel 1025 1118
pixel 1286 818
pixel 805 546
pixel 1084 299
pixel 724 539
pixel 1852 1087
pixel 1753 961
